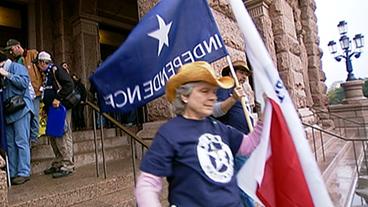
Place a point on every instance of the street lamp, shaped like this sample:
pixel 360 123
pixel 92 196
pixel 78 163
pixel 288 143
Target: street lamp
pixel 345 44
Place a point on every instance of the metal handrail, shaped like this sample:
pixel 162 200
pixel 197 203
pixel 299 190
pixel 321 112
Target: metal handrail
pixel 333 134
pixel 344 123
pixel 340 117
pixel 117 123
pixel 358 157
pixel 134 138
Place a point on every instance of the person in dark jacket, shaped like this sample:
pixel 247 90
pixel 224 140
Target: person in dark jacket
pixel 78 110
pixel 56 87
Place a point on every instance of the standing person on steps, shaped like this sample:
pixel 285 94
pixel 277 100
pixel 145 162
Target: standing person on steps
pixel 16 82
pixel 57 85
pixel 25 56
pixel 228 109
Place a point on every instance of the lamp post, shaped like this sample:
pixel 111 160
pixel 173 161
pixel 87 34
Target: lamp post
pixel 346 47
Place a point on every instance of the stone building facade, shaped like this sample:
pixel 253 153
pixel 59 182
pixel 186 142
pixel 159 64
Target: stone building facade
pixel 82 32
pixel 289 30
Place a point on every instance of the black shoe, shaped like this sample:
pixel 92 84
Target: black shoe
pixel 51 170
pixel 19 180
pixel 61 173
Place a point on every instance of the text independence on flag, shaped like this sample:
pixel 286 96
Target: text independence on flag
pixel 282 170
pixel 173 33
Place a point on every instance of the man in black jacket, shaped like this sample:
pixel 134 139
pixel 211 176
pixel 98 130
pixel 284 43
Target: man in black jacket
pixel 57 85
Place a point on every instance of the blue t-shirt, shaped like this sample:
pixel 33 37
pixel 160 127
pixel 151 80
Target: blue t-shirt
pixel 196 156
pixel 235 116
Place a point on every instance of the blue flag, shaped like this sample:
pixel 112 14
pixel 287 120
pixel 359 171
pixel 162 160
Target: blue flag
pixel 173 33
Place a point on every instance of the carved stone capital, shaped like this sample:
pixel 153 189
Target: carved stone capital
pixel 258 8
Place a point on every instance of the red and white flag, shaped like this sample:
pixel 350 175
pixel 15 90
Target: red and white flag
pixel 282 170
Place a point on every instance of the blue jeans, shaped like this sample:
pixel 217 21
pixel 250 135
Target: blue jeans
pixel 35 119
pixel 17 136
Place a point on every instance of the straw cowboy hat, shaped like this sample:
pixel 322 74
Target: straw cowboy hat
pixel 192 72
pixel 238 65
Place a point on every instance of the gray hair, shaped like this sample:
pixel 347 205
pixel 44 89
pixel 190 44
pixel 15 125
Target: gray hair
pixel 178 103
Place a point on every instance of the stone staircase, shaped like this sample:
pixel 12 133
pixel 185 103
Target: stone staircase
pixel 116 147
pixel 83 185
pixel 77 189
pixel 338 168
pixel 83 188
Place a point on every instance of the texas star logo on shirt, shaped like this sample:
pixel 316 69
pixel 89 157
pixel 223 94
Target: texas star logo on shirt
pixel 215 158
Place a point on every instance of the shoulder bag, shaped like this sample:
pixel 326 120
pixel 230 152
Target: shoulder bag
pixel 71 100
pixel 14 104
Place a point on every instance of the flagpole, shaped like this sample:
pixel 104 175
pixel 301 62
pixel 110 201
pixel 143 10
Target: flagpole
pixel 261 60
pixel 242 101
pixel 8 171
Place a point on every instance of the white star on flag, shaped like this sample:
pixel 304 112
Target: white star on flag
pixel 161 34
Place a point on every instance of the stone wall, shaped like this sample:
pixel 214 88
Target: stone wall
pixel 289 30
pixel 69 30
pixel 3 184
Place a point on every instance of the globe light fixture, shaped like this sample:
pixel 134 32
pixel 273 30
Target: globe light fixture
pixel 347 48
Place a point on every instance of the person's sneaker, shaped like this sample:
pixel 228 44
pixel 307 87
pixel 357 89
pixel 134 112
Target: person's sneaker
pixel 61 173
pixel 19 180
pixel 51 170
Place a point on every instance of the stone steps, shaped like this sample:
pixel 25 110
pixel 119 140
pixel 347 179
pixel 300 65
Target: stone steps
pixel 116 147
pixel 338 168
pixel 115 199
pixel 340 176
pixel 81 186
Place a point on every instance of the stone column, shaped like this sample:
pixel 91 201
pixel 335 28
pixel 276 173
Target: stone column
pixel 85 42
pixel 86 47
pixel 311 40
pixel 259 11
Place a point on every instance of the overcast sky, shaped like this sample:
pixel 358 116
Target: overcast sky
pixel 329 13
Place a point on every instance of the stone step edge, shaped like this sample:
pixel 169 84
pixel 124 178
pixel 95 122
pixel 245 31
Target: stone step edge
pixel 124 197
pixel 326 144
pixel 123 147
pixel 329 169
pixel 81 194
pixel 91 142
pixel 326 175
pixel 349 200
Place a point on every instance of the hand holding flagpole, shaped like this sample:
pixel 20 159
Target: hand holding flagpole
pixel 237 84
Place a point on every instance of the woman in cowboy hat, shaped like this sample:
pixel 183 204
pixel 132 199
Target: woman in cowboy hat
pixel 195 152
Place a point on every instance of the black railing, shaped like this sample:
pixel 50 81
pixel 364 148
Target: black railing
pixel 133 138
pixel 319 133
pixel 344 124
pixel 350 131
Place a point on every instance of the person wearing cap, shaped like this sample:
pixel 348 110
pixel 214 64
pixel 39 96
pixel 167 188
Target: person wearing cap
pixel 25 56
pixel 57 85
pixel 18 122
pixel 228 109
pixel 193 150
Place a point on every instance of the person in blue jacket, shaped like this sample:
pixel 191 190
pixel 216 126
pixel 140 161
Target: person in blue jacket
pixel 228 109
pixel 17 126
